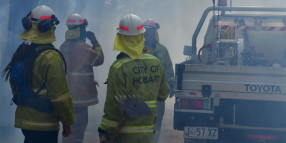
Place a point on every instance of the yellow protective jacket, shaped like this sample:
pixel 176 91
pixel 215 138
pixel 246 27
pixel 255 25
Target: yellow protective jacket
pixel 161 52
pixel 144 77
pixel 48 67
pixel 81 58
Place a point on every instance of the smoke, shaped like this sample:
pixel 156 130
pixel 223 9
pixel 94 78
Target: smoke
pixel 177 19
pixel 6 126
pixel 4 7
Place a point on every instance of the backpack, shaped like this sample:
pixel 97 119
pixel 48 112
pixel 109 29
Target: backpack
pixel 20 73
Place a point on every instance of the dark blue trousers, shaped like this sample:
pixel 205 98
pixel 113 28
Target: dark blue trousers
pixel 32 136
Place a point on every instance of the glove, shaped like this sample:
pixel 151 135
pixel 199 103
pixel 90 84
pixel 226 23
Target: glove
pixel 103 138
pixel 90 35
pixel 66 131
pixel 172 93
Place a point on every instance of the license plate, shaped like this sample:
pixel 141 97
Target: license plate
pixel 201 132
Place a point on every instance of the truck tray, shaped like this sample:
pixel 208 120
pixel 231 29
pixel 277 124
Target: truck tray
pixel 232 82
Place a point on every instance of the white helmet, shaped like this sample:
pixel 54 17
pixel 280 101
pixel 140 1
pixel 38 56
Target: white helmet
pixel 76 19
pixel 41 12
pixel 131 25
pixel 150 23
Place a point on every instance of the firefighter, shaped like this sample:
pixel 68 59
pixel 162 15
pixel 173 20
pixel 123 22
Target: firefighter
pixel 153 47
pixel 133 73
pixel 81 58
pixel 38 81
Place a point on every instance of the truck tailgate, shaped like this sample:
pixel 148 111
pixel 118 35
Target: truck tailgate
pixel 234 82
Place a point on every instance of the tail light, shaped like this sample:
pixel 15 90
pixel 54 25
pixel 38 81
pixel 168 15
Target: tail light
pixel 195 104
pixel 261 137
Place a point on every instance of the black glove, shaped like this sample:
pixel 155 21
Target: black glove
pixel 103 136
pixel 90 35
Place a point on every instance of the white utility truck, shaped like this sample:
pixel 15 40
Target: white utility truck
pixel 233 88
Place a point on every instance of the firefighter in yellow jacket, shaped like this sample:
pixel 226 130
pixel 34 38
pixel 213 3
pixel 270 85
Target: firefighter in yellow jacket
pixel 161 52
pixel 81 58
pixel 38 81
pixel 133 73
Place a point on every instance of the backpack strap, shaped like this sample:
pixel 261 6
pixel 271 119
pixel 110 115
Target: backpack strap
pixel 49 47
pixel 39 51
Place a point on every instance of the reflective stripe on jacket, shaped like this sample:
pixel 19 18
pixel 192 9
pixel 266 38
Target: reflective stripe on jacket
pixel 36 125
pixel 144 77
pixel 128 129
pixel 81 58
pixel 48 69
